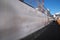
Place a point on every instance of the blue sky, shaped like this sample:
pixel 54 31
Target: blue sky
pixel 53 5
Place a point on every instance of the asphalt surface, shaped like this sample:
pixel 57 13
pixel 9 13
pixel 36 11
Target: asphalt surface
pixel 49 32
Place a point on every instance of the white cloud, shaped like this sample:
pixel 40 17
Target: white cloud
pixel 57 13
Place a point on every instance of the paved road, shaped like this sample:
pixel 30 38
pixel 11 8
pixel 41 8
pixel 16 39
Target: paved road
pixel 50 32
